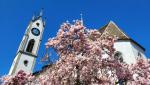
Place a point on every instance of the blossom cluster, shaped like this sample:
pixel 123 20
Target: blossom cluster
pixel 87 57
pixel 140 72
pixel 20 78
pixel 84 57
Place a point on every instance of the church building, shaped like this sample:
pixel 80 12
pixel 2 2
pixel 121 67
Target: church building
pixel 127 50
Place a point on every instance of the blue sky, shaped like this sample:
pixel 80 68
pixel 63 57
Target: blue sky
pixel 132 16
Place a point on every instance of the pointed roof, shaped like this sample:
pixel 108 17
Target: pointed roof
pixel 112 29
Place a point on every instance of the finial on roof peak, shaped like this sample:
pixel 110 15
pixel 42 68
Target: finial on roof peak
pixel 38 16
pixel 41 12
pixel 81 19
pixel 33 17
pixel 111 22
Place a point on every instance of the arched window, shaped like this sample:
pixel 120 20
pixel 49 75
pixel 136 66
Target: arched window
pixel 30 45
pixel 118 56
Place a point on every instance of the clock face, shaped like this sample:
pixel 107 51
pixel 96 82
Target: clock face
pixel 35 31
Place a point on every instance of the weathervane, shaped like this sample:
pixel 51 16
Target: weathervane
pixel 81 19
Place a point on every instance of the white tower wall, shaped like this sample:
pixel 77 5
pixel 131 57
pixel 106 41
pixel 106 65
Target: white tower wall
pixel 28 49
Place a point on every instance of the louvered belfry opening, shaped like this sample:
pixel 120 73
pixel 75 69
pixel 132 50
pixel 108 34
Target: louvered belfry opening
pixel 30 46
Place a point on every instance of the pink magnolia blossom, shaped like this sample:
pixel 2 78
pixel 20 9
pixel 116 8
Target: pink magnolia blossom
pixel 20 78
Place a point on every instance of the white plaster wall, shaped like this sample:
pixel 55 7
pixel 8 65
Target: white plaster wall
pixel 125 47
pixel 12 66
pixel 21 66
pixel 137 49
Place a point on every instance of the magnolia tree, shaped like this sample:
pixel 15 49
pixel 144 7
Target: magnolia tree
pixel 87 58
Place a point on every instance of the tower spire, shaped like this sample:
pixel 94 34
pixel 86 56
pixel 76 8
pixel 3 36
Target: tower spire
pixel 41 12
pixel 33 17
pixel 28 49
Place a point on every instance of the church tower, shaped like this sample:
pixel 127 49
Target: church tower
pixel 27 52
